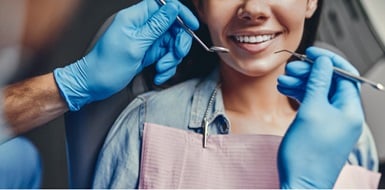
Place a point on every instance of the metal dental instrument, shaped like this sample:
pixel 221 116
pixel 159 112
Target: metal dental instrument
pixel 188 30
pixel 339 71
pixel 205 132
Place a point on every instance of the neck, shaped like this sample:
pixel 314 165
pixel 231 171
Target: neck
pixel 254 105
pixel 253 95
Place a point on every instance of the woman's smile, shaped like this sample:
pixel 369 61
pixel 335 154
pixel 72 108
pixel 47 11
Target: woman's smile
pixel 254 43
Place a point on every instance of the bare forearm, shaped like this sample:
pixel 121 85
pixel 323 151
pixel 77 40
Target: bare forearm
pixel 31 103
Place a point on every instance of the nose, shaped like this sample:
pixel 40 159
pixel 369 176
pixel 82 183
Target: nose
pixel 254 10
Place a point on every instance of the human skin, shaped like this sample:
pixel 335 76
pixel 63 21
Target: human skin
pixel 249 72
pixel 31 103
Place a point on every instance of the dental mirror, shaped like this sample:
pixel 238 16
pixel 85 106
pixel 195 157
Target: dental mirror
pixel 213 49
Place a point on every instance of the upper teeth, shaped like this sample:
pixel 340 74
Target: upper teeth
pixel 254 39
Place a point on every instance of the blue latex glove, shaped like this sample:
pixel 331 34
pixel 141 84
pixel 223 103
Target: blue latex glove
pixel 139 36
pixel 20 165
pixel 328 123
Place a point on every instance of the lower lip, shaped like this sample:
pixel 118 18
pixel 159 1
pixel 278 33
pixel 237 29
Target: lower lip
pixel 254 48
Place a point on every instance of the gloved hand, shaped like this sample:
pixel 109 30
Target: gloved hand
pixel 139 36
pixel 328 123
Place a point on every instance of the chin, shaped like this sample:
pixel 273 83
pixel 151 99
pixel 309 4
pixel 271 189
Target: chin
pixel 258 68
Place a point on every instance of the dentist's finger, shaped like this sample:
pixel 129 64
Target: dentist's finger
pixel 338 61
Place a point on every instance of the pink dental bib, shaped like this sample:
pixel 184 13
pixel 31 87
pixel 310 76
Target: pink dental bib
pixel 174 159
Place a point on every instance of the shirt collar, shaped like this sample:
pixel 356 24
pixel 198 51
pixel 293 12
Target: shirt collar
pixel 201 99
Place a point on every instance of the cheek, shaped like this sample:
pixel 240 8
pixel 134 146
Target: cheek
pixel 293 25
pixel 294 36
pixel 217 18
pixel 290 12
pixel 215 33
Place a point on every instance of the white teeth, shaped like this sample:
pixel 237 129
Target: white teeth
pixel 254 39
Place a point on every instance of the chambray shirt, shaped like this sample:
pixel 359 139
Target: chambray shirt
pixel 183 106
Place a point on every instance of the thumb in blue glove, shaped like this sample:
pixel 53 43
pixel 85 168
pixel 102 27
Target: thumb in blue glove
pixel 328 123
pixel 139 36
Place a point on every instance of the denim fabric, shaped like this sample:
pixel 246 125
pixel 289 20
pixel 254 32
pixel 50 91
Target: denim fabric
pixel 183 106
